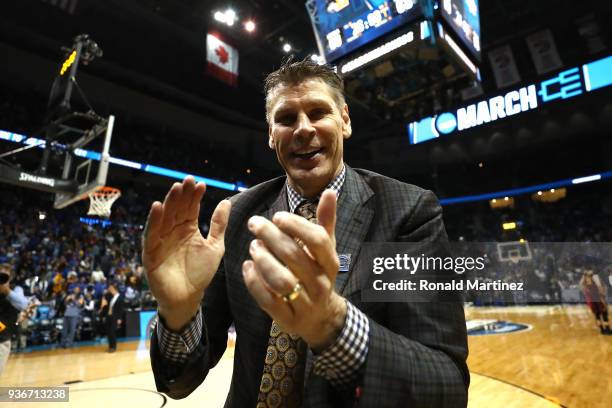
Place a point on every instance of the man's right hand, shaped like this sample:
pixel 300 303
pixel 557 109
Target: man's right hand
pixel 179 263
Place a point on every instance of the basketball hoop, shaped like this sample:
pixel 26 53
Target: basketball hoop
pixel 101 200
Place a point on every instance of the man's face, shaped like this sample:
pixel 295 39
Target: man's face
pixel 307 130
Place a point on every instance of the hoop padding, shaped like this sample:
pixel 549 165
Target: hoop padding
pixel 101 200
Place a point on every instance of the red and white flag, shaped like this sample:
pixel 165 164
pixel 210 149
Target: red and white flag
pixel 222 60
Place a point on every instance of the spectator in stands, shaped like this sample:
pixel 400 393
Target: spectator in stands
pixel 74 305
pixel 12 301
pixel 24 318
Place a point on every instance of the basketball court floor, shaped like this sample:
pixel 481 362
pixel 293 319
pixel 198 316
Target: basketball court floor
pixel 534 356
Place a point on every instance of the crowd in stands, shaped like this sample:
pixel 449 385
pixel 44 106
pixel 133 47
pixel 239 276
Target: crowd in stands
pixel 54 254
pixel 555 232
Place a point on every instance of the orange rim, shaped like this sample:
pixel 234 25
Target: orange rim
pixel 104 191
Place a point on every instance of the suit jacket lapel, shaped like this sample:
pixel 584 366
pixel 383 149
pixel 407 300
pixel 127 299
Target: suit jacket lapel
pixel 352 225
pixel 261 319
pixel 280 204
pixel 353 220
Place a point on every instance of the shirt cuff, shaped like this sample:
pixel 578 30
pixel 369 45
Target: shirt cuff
pixel 341 363
pixel 177 346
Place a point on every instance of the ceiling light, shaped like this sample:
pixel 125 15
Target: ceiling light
pixel 220 17
pixel 230 16
pixel 249 26
pixel 317 58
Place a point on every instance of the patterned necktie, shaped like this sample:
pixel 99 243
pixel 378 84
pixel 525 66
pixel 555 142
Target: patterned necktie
pixel 283 376
pixel 308 210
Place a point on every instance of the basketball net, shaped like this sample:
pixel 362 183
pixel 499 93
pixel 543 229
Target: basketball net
pixel 101 200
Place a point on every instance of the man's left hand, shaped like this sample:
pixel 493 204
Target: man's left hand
pixel 279 263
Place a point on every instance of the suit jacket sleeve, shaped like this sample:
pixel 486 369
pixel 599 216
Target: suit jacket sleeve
pixel 119 307
pixel 417 356
pixel 179 382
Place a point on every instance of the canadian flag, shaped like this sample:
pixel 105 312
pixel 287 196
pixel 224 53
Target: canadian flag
pixel 222 60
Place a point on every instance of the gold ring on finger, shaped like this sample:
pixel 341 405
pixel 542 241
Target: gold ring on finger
pixel 294 294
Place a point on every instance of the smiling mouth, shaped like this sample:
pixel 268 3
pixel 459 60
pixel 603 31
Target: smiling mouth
pixel 308 154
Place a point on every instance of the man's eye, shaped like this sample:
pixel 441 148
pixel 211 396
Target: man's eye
pixel 318 113
pixel 286 120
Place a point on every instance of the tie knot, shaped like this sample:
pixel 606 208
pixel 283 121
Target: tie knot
pixel 308 210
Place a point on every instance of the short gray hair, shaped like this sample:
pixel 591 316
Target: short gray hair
pixel 295 73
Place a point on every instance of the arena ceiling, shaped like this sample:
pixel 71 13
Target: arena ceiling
pixel 164 40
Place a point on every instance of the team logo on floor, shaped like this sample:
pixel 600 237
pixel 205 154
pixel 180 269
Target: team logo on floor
pixel 491 326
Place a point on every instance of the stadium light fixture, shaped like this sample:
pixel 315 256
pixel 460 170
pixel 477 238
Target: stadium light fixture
pixel 249 26
pixel 587 179
pixel 227 17
pixel 230 15
pixel 287 48
pixel 317 58
pixel 220 16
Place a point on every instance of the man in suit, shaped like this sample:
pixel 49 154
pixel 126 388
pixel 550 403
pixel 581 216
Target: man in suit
pixel 113 312
pixel 304 337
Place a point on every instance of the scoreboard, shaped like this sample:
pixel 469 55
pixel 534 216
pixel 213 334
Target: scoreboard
pixel 343 26
pixel 416 45
pixel 463 17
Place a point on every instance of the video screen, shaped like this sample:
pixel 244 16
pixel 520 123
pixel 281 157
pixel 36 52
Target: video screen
pixel 464 17
pixel 343 26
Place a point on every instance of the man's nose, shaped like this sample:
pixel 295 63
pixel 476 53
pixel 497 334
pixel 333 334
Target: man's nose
pixel 303 126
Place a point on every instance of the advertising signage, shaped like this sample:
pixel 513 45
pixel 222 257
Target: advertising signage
pixel 565 85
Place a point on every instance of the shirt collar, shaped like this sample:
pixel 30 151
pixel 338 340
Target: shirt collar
pixel 295 199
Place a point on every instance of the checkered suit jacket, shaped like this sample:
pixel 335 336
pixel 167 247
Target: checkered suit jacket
pixel 417 351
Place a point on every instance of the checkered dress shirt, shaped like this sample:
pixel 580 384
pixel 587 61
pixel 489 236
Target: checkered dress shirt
pixel 340 363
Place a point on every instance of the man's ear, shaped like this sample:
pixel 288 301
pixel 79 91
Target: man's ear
pixel 347 129
pixel 271 142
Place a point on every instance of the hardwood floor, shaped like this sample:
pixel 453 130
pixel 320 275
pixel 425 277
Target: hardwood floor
pixel 561 360
pixel 562 357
